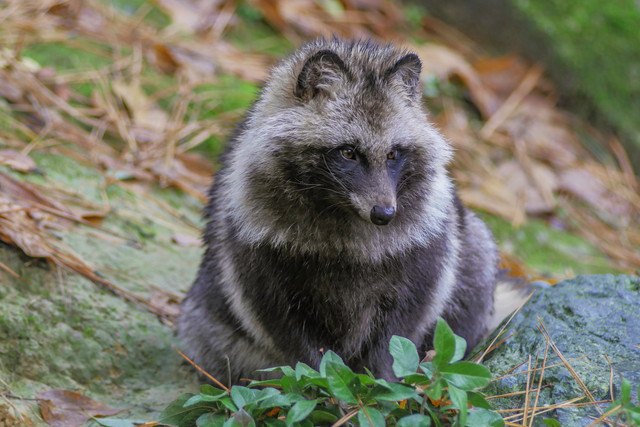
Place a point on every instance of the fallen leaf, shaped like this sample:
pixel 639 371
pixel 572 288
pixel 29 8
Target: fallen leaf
pixel 446 64
pixel 17 161
pixel 186 240
pixel 522 185
pixel 584 184
pixel 166 303
pixel 502 74
pixel 65 408
pixel 142 110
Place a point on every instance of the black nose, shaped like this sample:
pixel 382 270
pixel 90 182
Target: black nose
pixel 382 215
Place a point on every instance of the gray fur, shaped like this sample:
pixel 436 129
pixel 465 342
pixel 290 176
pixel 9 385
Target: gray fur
pixel 293 264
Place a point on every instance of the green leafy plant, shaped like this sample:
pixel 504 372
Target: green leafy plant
pixel 440 392
pixel 623 409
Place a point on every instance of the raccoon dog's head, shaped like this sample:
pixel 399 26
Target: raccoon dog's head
pixel 337 154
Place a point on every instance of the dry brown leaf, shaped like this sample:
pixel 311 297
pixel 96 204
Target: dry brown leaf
pixel 29 195
pixel 501 75
pixel 166 303
pixel 186 240
pixel 445 64
pixel 17 161
pixel 142 110
pixel 548 135
pixel 581 182
pixel 178 175
pixel 164 59
pixel 493 196
pixel 520 184
pixel 187 15
pixel 65 408
pixel 32 199
pixel 194 64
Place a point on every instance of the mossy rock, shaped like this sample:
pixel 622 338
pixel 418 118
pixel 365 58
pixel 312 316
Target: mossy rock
pixel 591 49
pixel 594 322
pixel 58 330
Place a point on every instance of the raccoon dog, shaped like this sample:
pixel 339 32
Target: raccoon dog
pixel 333 223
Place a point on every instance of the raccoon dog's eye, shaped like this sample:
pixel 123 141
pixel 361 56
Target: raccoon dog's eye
pixel 348 152
pixel 392 155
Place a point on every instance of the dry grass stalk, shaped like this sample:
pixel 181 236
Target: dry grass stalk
pixel 542 370
pixel 203 372
pixel 566 363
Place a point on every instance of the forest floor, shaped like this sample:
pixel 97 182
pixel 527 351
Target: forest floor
pixel 111 117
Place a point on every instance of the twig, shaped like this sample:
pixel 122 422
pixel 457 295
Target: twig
pixel 203 372
pixel 535 404
pixel 513 101
pixel 346 418
pixel 482 356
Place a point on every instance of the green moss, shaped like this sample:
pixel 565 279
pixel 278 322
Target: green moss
pixel 59 330
pixel 253 34
pixel 549 251
pixel 228 95
pixel 63 57
pixel 600 43
pixel 153 16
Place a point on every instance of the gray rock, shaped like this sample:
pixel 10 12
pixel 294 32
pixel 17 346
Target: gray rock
pixel 589 318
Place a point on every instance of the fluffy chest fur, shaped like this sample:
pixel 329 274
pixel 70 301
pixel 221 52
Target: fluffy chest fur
pixel 318 302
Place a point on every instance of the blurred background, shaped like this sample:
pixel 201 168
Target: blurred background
pixel 113 113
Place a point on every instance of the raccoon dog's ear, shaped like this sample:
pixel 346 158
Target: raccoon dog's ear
pixel 322 73
pixel 406 72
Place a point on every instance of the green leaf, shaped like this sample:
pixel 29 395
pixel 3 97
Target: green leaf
pixel 466 375
pixel 117 422
pixel 240 419
pixel 211 390
pixel 210 420
pixel 322 417
pixel 300 411
pixel 459 400
pixel 461 348
pixel 416 379
pixel 370 417
pixel 551 422
pixel 405 356
pixel 290 385
pixel 427 368
pixel 320 382
pixel 476 399
pixel 228 403
pixel 198 398
pixel 277 400
pixel 304 370
pixel 286 370
pixel 484 417
pixel 444 343
pixel 634 414
pixel 366 379
pixel 434 391
pixel 625 392
pixel 328 357
pixel 273 422
pixel 393 391
pixel 340 378
pixel 176 414
pixel 415 420
pixel 242 396
pixel 274 382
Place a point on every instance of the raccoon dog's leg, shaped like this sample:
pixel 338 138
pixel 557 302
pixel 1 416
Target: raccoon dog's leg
pixel 470 308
